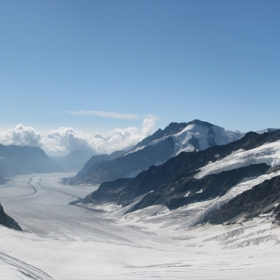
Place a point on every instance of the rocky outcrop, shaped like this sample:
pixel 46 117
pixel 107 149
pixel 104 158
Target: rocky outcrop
pixel 7 221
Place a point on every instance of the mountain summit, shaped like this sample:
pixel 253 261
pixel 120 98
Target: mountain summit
pixel 192 136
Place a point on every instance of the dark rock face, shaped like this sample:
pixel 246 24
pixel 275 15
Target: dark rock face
pixel 7 221
pixel 172 128
pixel 16 160
pixel 211 138
pixel 261 199
pixel 173 184
pixel 207 188
pixel 160 188
pixel 130 163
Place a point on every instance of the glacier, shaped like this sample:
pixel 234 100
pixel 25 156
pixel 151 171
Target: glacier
pixel 63 241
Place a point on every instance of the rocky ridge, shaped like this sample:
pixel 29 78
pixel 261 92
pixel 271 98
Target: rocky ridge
pixel 180 181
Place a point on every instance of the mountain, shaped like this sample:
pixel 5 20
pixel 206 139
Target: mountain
pixel 128 165
pixel 7 221
pixel 74 161
pixel 2 181
pixel 267 130
pixel 97 160
pixel 192 136
pixel 158 148
pixel 224 183
pixel 15 160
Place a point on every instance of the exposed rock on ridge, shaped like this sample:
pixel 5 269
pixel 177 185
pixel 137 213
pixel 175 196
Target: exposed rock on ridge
pixel 7 221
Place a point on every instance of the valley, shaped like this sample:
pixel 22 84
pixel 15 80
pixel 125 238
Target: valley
pixel 139 140
pixel 62 241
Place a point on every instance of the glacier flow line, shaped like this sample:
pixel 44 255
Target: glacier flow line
pixel 27 270
pixel 55 190
pixel 22 195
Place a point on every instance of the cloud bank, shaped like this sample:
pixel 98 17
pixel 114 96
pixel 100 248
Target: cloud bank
pixel 66 139
pixel 20 136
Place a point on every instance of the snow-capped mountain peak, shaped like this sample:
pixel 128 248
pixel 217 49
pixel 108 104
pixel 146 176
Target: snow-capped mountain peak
pixel 198 135
pixel 158 148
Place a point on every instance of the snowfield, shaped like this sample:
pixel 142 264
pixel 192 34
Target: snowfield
pixel 268 153
pixel 62 241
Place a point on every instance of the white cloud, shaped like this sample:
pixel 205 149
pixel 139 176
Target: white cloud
pixel 104 114
pixel 148 125
pixel 20 136
pixel 66 139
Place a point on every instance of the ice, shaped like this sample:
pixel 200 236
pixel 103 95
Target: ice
pixel 62 241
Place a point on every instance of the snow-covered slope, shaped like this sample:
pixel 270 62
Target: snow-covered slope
pixel 268 153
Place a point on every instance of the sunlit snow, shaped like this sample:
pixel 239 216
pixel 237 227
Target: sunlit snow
pixel 200 133
pixel 61 241
pixel 268 153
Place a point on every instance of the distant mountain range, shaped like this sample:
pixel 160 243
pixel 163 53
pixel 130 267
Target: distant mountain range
pixel 74 161
pixel 155 150
pixel 2 181
pixel 229 183
pixel 96 160
pixel 15 160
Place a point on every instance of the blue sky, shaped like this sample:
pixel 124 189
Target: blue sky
pixel 98 65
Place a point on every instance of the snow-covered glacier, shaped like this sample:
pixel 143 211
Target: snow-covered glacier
pixel 63 241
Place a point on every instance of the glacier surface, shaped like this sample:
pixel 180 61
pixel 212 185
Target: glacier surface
pixel 62 241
